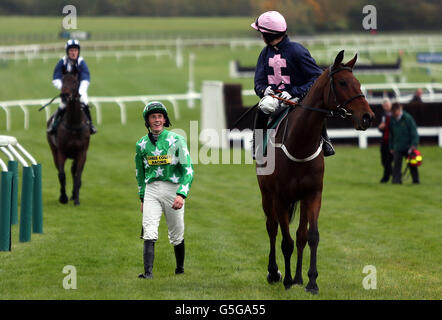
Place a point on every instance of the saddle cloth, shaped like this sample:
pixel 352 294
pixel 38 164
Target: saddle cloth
pixel 274 123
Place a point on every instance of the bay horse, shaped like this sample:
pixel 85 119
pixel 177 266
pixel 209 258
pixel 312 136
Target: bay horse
pixel 71 140
pixel 299 167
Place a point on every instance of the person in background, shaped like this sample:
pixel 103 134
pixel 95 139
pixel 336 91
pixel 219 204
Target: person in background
pixel 72 62
pixel 417 96
pixel 403 140
pixel 384 127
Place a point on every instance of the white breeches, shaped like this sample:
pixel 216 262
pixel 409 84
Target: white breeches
pixel 158 198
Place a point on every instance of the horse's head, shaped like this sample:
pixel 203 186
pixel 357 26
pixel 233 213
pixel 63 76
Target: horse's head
pixel 69 89
pixel 344 93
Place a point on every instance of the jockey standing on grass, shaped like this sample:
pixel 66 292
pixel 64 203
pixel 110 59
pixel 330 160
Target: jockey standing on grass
pixel 286 63
pixel 164 174
pixel 72 62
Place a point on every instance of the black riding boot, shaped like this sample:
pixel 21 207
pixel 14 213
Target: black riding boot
pixel 179 256
pixel 55 120
pixel 327 145
pixel 148 256
pixel 88 115
pixel 261 120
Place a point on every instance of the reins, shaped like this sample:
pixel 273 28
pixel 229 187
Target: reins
pixel 52 100
pixel 340 111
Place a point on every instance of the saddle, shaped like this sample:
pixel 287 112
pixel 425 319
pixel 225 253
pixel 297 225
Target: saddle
pixel 275 120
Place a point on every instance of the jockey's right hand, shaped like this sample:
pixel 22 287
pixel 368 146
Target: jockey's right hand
pixel 57 84
pixel 268 104
pixel 268 91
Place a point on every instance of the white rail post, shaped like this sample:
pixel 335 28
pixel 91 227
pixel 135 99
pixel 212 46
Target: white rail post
pixel 362 140
pixel 8 118
pixel 191 82
pixel 175 108
pixel 98 111
pixel 122 112
pixel 440 137
pixel 26 113
pixel 179 53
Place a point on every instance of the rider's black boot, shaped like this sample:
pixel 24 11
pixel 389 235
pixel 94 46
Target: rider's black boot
pixel 148 256
pixel 52 129
pixel 327 145
pixel 179 256
pixel 88 115
pixel 261 120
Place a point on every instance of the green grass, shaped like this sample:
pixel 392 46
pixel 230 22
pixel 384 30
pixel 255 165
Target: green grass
pixel 394 228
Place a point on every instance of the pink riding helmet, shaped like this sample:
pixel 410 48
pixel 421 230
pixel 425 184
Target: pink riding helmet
pixel 270 22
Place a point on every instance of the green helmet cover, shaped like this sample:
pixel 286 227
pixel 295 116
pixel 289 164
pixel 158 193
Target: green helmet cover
pixel 155 107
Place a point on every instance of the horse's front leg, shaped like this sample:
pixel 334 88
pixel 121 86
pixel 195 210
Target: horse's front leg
pixel 314 205
pixel 61 159
pixel 77 170
pixel 274 275
pixel 287 246
pixel 272 230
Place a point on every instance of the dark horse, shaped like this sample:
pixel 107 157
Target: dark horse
pixel 71 139
pixel 299 166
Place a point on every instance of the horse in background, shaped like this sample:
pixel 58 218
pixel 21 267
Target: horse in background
pixel 71 140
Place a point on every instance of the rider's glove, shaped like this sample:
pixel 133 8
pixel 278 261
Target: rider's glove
pixel 268 104
pixel 268 91
pixel 285 95
pixel 57 84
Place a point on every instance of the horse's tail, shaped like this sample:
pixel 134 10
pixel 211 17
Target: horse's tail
pixel 292 210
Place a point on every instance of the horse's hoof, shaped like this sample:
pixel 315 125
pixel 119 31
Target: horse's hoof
pixel 77 202
pixel 274 278
pixel 312 289
pixel 63 199
pixel 288 284
pixel 298 282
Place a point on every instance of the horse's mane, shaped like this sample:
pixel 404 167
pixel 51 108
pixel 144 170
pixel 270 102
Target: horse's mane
pixel 318 83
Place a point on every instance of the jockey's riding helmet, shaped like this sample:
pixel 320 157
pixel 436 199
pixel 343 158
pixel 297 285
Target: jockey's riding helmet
pixel 271 24
pixel 155 107
pixel 72 43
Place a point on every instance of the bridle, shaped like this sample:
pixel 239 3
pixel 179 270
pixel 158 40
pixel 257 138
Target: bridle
pixel 340 110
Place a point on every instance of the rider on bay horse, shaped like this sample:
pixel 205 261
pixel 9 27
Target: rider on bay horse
pixel 286 63
pixel 72 62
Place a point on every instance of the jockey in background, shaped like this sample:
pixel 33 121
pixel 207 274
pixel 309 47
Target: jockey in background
pixel 72 62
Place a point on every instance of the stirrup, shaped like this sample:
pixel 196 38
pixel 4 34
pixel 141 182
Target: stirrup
pixel 51 129
pixel 328 148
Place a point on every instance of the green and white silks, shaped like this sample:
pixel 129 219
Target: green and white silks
pixel 166 160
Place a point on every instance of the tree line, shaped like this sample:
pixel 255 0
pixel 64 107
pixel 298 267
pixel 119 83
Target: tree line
pixel 306 16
